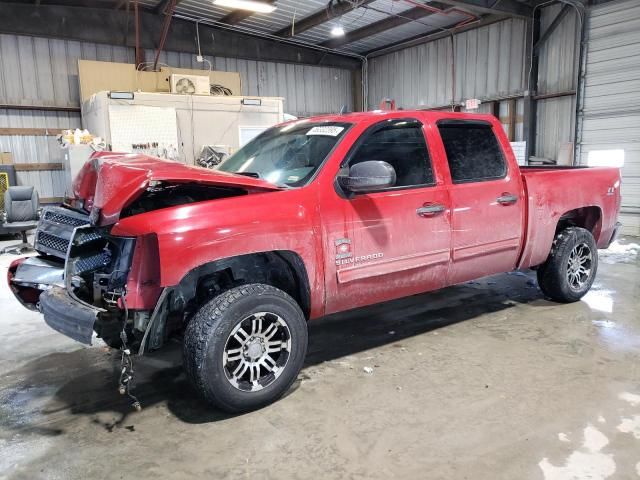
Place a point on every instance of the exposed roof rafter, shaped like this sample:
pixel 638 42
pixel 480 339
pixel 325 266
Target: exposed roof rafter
pixel 401 18
pixel 320 17
pixel 504 7
pixel 162 5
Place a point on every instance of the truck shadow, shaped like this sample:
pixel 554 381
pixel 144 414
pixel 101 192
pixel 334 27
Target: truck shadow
pixel 45 391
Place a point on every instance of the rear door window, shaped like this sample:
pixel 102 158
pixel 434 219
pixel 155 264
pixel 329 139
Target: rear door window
pixel 473 151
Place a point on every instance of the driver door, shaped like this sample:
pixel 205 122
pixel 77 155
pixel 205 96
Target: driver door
pixel 391 243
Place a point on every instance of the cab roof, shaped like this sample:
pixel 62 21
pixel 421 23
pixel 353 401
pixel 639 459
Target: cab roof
pixel 377 115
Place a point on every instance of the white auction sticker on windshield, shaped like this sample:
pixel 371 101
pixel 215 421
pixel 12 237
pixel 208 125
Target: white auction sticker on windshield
pixel 329 130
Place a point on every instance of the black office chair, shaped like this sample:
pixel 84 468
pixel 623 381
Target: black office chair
pixel 21 205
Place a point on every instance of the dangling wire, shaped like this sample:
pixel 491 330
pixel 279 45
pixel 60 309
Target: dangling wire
pixel 126 362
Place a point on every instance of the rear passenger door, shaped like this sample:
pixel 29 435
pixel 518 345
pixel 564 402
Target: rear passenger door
pixel 487 200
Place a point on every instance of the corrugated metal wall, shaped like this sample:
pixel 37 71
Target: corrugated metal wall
pixel 304 87
pixel 41 71
pixel 45 72
pixel 488 65
pixel 557 66
pixel 37 149
pixel 610 116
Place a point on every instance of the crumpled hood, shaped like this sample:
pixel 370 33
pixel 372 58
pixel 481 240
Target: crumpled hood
pixel 110 181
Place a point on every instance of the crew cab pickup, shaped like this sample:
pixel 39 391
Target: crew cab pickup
pixel 312 217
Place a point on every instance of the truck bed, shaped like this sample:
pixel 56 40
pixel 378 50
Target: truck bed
pixel 553 192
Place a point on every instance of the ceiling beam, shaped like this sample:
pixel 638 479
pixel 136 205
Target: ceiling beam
pixel 504 7
pixel 162 5
pixel 325 15
pixel 431 37
pixel 237 16
pixel 108 26
pixel 401 18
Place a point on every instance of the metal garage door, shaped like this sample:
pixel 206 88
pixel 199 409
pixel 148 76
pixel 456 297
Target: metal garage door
pixel 610 118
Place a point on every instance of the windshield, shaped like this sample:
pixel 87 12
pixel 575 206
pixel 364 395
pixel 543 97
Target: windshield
pixel 287 155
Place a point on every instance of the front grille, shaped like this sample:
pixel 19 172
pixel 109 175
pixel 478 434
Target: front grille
pixel 85 236
pixel 55 229
pixel 92 262
pixel 52 242
pixel 54 216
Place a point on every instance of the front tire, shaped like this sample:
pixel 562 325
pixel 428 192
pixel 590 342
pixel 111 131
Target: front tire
pixel 244 348
pixel 570 270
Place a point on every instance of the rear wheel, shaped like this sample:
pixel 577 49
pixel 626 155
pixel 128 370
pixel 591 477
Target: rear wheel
pixel 570 270
pixel 244 348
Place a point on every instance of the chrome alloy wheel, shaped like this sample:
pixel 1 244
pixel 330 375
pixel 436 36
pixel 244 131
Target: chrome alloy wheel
pixel 579 266
pixel 257 351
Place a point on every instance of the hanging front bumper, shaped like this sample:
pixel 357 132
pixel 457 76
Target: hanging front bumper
pixel 68 316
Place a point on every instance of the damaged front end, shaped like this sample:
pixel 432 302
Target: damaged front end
pixel 79 280
pixel 87 279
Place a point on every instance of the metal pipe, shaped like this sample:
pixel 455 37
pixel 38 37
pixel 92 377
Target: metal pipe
pixel 580 87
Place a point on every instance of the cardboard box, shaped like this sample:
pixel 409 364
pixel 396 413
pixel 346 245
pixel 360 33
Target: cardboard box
pixel 6 158
pixel 111 76
pixel 105 76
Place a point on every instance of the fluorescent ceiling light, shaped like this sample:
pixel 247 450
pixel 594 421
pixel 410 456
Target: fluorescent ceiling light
pixel 337 31
pixel 252 5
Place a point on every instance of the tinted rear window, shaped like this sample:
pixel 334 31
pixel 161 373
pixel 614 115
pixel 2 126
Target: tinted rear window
pixel 473 151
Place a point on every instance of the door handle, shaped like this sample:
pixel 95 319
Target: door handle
pixel 430 210
pixel 507 199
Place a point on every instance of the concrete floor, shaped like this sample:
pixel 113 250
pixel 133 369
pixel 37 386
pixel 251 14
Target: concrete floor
pixel 485 380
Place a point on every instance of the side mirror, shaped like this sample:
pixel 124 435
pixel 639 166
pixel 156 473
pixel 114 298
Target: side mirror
pixel 368 176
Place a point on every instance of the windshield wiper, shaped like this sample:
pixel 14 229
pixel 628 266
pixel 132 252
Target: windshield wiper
pixel 257 175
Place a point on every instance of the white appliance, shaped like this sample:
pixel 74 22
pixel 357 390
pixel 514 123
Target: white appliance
pixel 75 156
pixel 198 120
pixel 190 84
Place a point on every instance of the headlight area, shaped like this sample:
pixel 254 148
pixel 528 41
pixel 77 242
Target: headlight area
pixel 95 273
pixel 97 266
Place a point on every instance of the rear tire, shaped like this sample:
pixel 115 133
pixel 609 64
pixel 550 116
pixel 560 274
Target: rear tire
pixel 244 348
pixel 570 270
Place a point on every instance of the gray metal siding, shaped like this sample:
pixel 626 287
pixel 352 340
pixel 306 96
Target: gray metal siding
pixel 610 117
pixel 488 64
pixel 37 149
pixel 42 71
pixel 557 64
pixel 555 125
pixel 558 59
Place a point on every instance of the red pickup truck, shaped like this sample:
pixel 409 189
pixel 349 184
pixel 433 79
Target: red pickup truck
pixel 312 217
